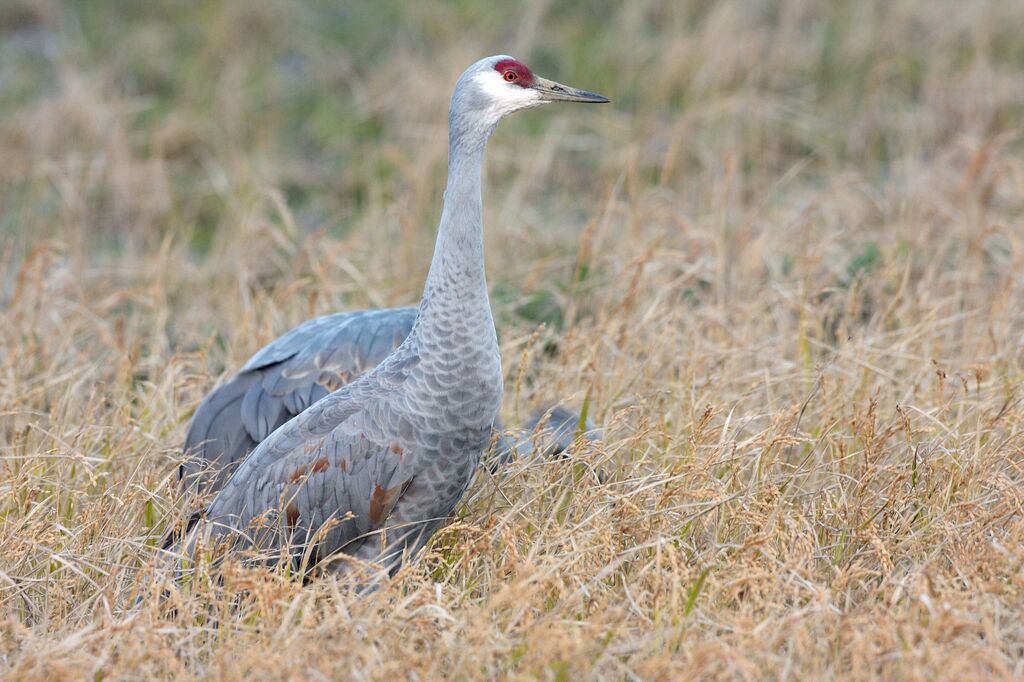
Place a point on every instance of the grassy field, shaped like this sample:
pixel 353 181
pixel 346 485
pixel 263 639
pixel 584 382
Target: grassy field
pixel 783 269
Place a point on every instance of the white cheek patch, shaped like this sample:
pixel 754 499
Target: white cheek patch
pixel 505 97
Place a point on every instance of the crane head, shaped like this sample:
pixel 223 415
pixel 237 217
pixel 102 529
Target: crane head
pixel 496 86
pixel 515 74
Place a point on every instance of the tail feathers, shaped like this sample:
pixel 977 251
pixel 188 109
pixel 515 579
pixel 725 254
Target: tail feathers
pixel 560 425
pixel 556 428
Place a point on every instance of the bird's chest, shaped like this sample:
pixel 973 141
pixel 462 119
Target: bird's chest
pixel 459 382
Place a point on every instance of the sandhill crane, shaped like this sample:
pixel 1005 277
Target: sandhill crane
pixel 371 470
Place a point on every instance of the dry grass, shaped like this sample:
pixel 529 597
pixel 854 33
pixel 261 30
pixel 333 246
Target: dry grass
pixel 784 265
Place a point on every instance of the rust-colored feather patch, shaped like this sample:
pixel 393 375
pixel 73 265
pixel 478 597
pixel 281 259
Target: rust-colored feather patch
pixel 332 381
pixel 317 467
pixel 381 502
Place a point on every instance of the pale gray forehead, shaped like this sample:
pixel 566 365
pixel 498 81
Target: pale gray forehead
pixel 489 62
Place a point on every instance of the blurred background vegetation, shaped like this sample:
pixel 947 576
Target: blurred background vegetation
pixel 163 117
pixel 222 128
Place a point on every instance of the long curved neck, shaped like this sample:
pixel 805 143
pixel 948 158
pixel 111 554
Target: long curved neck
pixel 456 282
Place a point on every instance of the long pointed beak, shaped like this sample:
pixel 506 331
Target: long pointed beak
pixel 556 92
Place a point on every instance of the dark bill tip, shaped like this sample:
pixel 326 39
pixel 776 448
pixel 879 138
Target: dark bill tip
pixel 587 96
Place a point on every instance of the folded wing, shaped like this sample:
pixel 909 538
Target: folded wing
pixel 280 381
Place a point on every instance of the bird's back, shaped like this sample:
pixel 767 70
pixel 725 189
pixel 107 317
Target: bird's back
pixel 279 381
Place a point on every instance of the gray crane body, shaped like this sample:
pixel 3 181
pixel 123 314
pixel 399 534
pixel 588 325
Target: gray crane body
pixel 370 471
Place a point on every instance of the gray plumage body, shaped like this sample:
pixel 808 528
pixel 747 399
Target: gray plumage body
pixel 304 365
pixel 372 469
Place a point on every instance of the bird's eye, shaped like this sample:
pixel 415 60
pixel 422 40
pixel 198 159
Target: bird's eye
pixel 511 76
